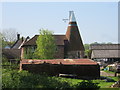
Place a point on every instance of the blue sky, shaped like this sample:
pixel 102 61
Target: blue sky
pixel 97 21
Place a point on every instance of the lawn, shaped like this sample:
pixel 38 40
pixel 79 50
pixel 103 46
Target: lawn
pixel 103 83
pixel 115 78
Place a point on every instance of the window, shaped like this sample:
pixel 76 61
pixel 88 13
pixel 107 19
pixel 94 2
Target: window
pixel 32 49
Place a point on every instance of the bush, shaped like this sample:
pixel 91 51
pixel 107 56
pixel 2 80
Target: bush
pixel 18 79
pixel 4 59
pixel 87 84
pixel 9 79
pixel 24 79
pixel 8 65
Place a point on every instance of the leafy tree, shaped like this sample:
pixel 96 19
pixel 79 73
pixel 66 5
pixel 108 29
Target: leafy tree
pixel 102 43
pixel 95 43
pixel 87 53
pixel 0 42
pixel 46 46
pixel 3 42
pixel 109 43
pixel 86 46
pixel 87 50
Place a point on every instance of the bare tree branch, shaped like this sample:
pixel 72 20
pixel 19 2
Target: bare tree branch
pixel 9 34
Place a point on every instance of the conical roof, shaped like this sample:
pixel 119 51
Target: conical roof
pixel 73 35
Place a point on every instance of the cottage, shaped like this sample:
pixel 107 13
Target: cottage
pixel 68 46
pixel 14 52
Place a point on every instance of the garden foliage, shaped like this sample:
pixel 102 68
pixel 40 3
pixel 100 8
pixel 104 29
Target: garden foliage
pixel 24 79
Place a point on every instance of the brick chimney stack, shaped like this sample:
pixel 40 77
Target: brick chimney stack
pixel 18 36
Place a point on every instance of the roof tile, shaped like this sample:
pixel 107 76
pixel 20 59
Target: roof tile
pixel 62 61
pixel 59 40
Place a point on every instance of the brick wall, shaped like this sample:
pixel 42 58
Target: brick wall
pixel 74 54
pixel 60 52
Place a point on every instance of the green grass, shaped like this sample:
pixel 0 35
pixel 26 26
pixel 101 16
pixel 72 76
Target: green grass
pixel 103 83
pixel 109 72
pixel 115 78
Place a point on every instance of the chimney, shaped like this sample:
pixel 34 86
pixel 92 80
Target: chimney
pixel 18 36
pixel 22 39
pixel 27 38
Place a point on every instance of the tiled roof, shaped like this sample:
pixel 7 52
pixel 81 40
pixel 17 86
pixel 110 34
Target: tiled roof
pixel 59 40
pixel 74 37
pixel 105 50
pixel 17 44
pixel 12 53
pixel 105 54
pixel 105 46
pixel 61 61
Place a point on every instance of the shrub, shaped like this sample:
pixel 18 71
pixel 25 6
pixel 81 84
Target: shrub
pixel 10 79
pixel 4 59
pixel 87 84
pixel 24 79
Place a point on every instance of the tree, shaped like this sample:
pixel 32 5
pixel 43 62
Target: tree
pixel 86 46
pixel 8 37
pixel 95 43
pixel 46 46
pixel 2 41
pixel 9 34
pixel 109 43
pixel 87 50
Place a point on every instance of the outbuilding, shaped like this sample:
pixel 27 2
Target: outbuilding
pixel 105 52
pixel 82 68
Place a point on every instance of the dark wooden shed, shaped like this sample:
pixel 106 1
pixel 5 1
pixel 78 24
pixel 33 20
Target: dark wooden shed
pixel 79 67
